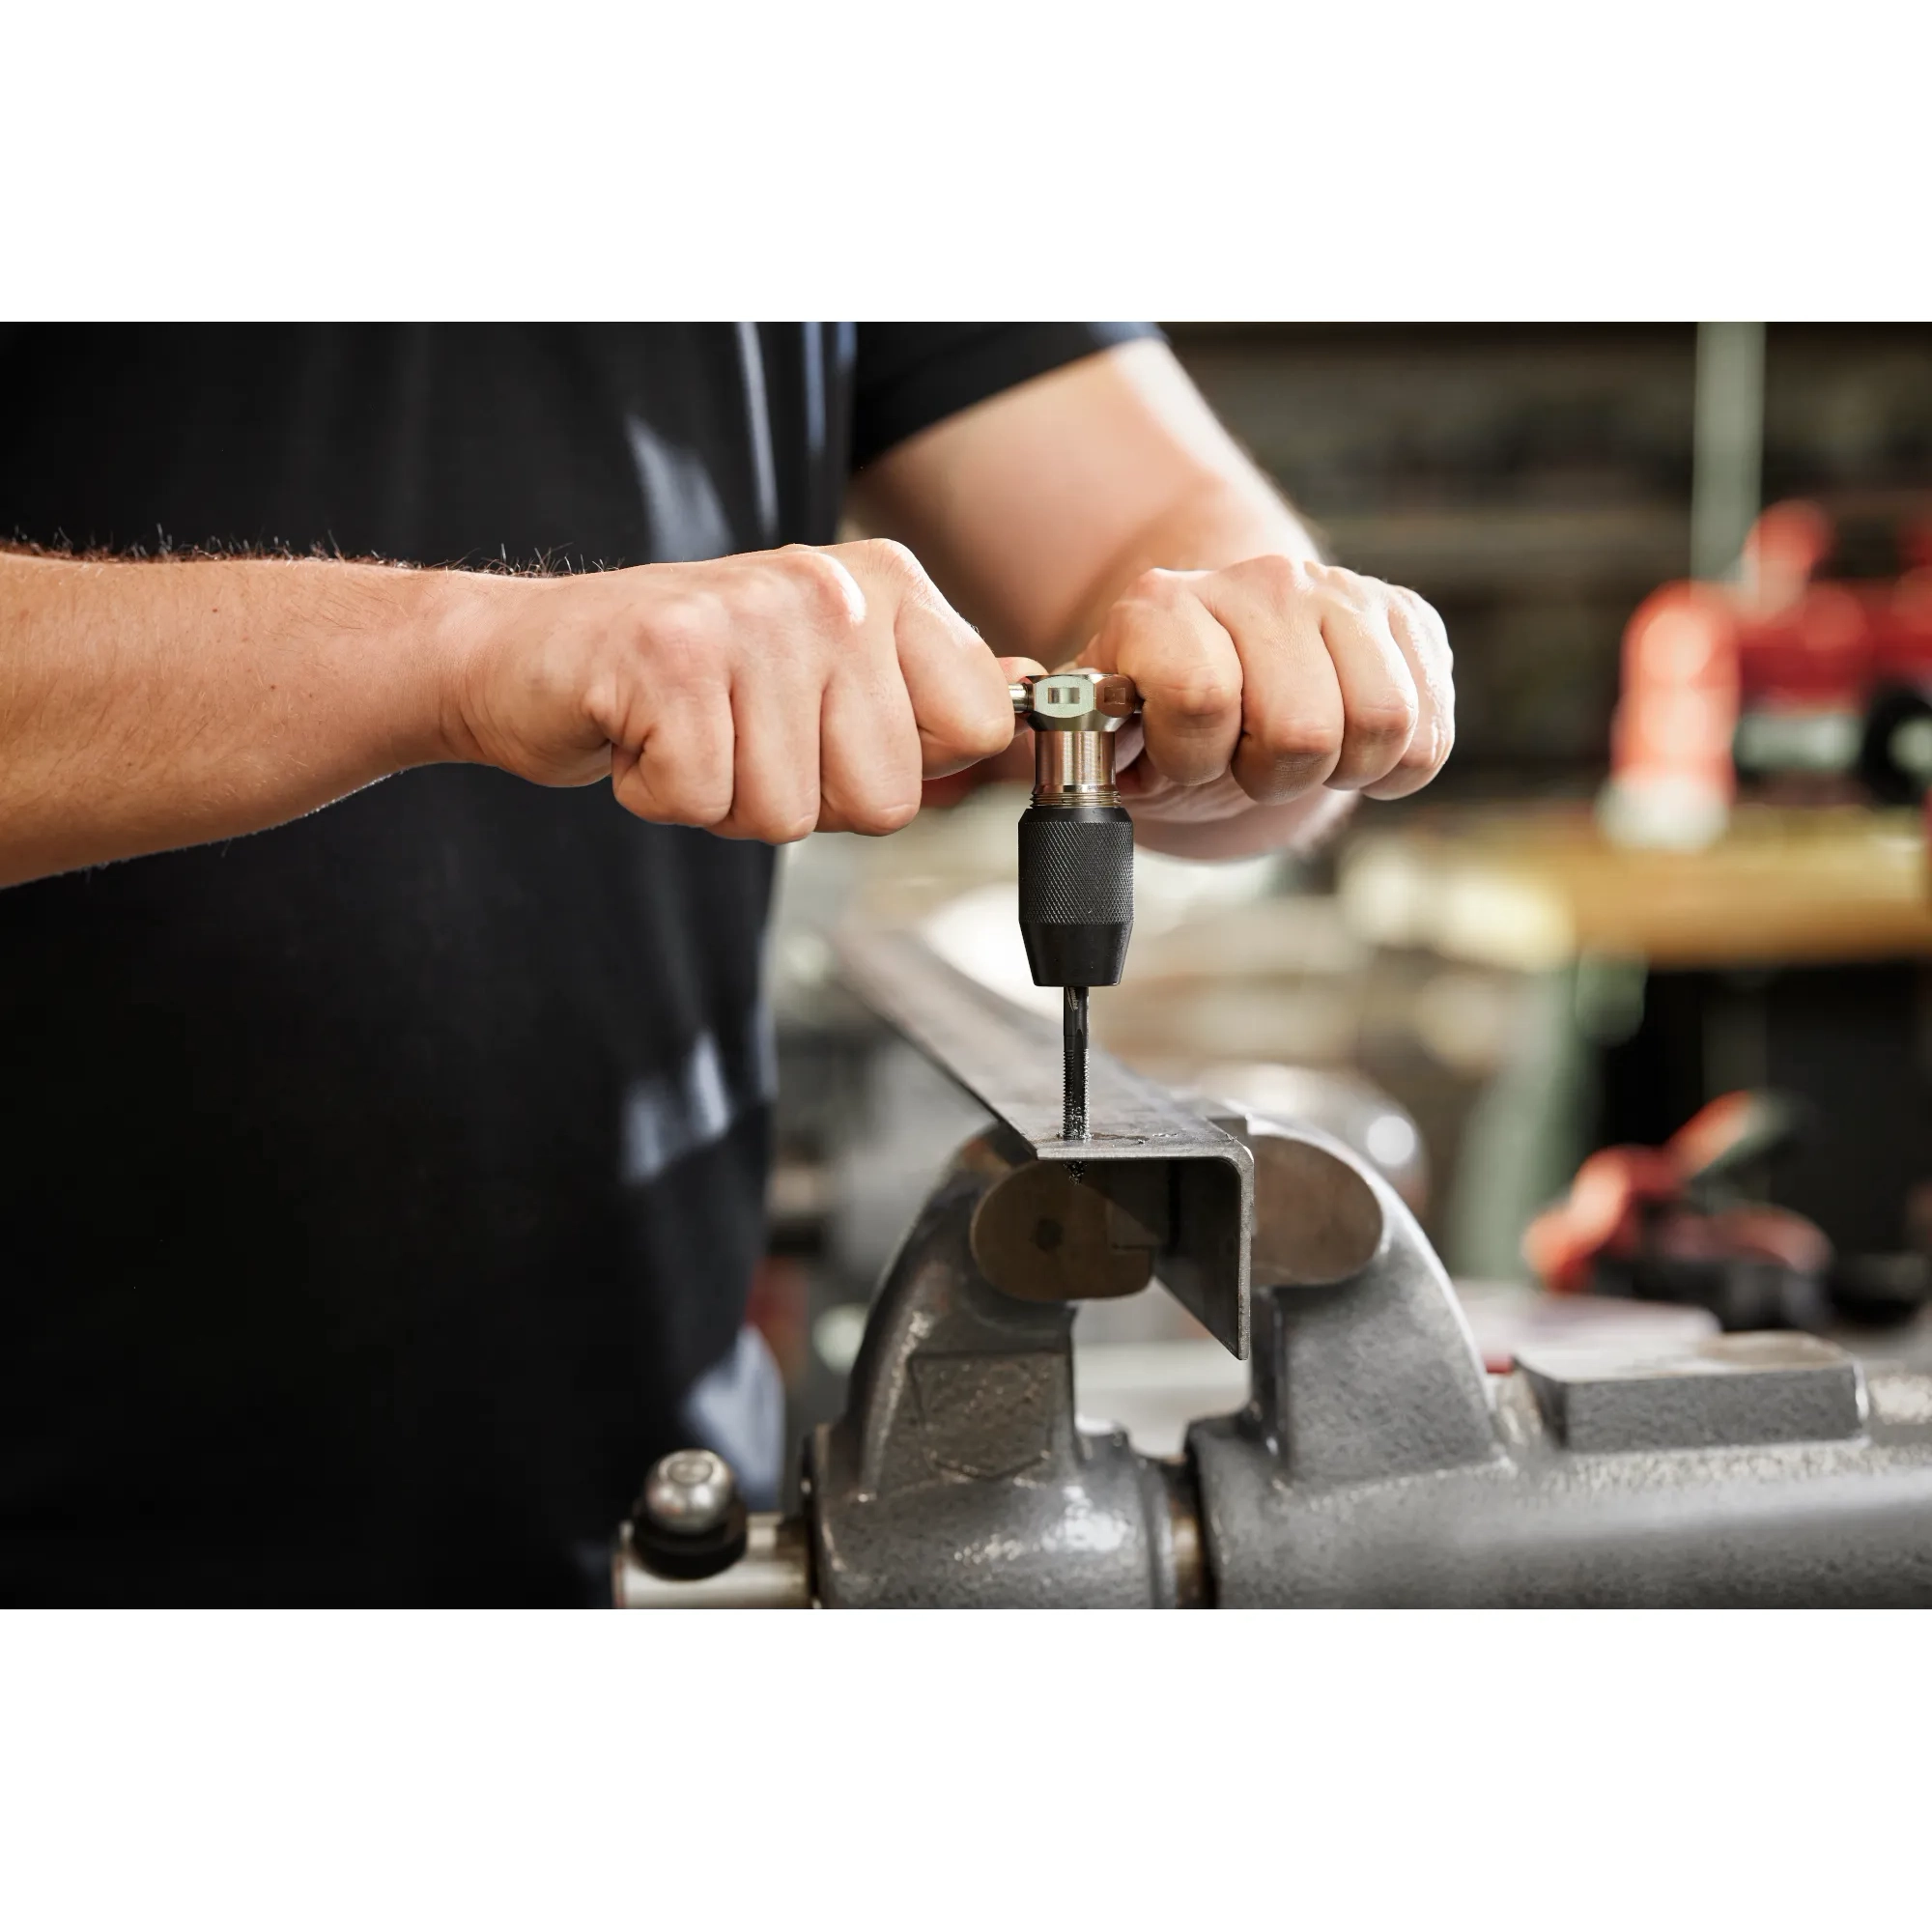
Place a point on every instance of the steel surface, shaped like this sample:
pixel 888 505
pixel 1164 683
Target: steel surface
pixel 1010 1060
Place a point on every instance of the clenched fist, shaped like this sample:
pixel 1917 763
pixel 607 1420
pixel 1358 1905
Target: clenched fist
pixel 1269 679
pixel 761 697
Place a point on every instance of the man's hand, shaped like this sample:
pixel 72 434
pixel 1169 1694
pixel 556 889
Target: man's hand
pixel 1271 678
pixel 760 697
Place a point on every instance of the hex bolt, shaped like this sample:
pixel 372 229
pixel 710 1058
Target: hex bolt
pixel 689 1521
pixel 689 1491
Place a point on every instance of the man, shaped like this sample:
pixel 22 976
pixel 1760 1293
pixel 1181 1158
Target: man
pixel 378 1191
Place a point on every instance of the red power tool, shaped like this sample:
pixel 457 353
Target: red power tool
pixel 1663 1224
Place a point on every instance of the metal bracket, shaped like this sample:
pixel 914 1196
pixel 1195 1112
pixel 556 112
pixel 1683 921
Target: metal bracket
pixel 1174 1179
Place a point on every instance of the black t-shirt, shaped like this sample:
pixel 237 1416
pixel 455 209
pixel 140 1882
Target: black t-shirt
pixel 374 1190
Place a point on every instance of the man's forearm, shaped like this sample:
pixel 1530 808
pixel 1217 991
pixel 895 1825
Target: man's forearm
pixel 760 696
pixel 1220 520
pixel 145 705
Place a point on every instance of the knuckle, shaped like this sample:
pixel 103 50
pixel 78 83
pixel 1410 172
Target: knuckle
pixel 987 731
pixel 1417 606
pixel 1301 739
pixel 682 637
pixel 820 582
pixel 1362 591
pixel 880 816
pixel 1383 720
pixel 778 821
pixel 679 805
pixel 701 806
pixel 1428 752
pixel 971 715
pixel 1152 586
pixel 1206 691
pixel 891 560
pixel 1270 782
pixel 1279 576
pixel 1425 622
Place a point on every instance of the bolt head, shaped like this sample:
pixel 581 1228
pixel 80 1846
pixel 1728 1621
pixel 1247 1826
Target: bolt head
pixel 690 1492
pixel 1078 700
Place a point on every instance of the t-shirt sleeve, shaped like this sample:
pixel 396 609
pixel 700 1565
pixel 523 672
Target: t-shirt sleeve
pixel 910 375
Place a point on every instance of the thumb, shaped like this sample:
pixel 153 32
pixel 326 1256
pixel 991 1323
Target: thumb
pixel 953 746
pixel 1012 766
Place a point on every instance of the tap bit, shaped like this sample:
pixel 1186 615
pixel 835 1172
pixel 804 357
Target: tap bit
pixel 1076 870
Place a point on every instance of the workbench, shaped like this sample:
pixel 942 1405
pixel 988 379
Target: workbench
pixel 1535 888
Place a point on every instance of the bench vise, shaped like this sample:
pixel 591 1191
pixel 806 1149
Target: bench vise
pixel 1374 1461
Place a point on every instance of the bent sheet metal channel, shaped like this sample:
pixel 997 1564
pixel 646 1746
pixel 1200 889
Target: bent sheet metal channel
pixel 1009 1060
